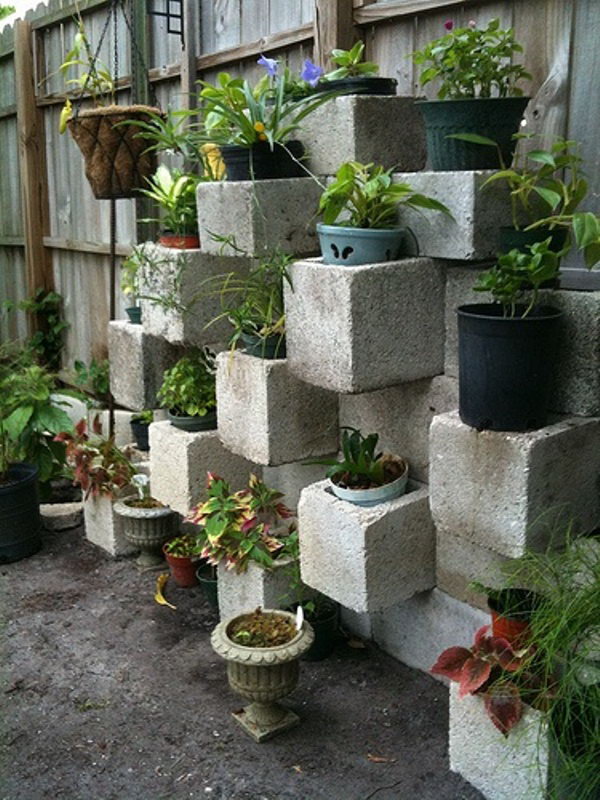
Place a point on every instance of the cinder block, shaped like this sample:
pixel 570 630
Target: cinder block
pixel 357 624
pixel 75 409
pixel 514 767
pixel 459 291
pixel 123 434
pixel 366 128
pixel 356 329
pixel 509 491
pixel 292 478
pixel 261 215
pixel 61 516
pixel 104 528
pixel 179 461
pixel 269 416
pixel 477 215
pixel 402 415
pixel 418 629
pixel 366 558
pixel 268 588
pixel 137 363
pixel 181 309
pixel 460 561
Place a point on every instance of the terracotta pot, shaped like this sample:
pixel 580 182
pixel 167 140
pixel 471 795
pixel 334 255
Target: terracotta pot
pixel 183 569
pixel 515 631
pixel 180 241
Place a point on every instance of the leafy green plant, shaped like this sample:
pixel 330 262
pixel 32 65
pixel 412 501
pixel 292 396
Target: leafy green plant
pixel 93 378
pixel 188 387
pixel 349 64
pixel 130 273
pixel 240 527
pixel 366 193
pixel 175 194
pixel 145 417
pixel 47 342
pixel 472 62
pixel 517 273
pixel 6 11
pixel 185 546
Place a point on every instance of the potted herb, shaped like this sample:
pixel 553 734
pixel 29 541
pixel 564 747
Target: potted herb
pixel 175 194
pixel 188 392
pixel 147 523
pixel 117 159
pixel 506 348
pixel 140 423
pixel 368 200
pixel 478 94
pixel 352 75
pixel 511 609
pixel 182 554
pixel 365 477
pixel 262 650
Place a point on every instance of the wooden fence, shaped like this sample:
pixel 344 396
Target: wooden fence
pixel 54 233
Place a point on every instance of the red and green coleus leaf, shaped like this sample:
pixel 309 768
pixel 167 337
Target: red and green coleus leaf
pixel 474 674
pixel 503 705
pixel 451 662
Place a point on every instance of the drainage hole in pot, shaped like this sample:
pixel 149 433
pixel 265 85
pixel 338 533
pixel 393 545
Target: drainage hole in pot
pixel 336 252
pixel 347 251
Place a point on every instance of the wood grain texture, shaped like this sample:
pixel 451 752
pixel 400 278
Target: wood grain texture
pixel 333 28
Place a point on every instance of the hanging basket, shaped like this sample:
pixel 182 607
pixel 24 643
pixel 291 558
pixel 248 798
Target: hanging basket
pixel 117 160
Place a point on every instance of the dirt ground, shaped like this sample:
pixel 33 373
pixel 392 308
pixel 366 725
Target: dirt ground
pixel 107 695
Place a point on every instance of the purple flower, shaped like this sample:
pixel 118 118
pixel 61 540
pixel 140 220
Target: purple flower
pixel 449 24
pixel 270 64
pixel 311 73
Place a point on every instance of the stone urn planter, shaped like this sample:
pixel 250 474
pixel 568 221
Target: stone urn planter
pixel 263 675
pixel 148 529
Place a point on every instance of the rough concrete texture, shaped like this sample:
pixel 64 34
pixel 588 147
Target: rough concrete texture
pixel 137 363
pixel 366 558
pixel 418 629
pixel 401 415
pixel 366 128
pixel 459 291
pixel 355 623
pixel 460 561
pixel 477 215
pixel 104 528
pixel 356 329
pixel 61 516
pixel 269 416
pixel 255 587
pixel 508 491
pixel 292 478
pixel 261 215
pixel 180 460
pixel 178 279
pixel 514 767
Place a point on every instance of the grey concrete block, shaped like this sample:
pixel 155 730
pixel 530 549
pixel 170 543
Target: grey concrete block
pixel 61 516
pixel 366 558
pixel 472 234
pixel 292 478
pixel 366 128
pixel 418 629
pixel 269 416
pixel 509 491
pixel 261 215
pixel 137 363
pixel 514 767
pixel 356 329
pixel 104 528
pixel 401 415
pixel 357 624
pixel 459 291
pixel 74 408
pixel 175 302
pixel 123 435
pixel 268 588
pixel 180 460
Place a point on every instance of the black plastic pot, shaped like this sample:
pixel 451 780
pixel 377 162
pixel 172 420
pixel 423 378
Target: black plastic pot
pixel 259 162
pixel 513 239
pixel 271 347
pixel 135 314
pixel 140 434
pixel 325 625
pixel 20 521
pixel 497 118
pixel 207 578
pixel 206 423
pixel 360 85
pixel 505 366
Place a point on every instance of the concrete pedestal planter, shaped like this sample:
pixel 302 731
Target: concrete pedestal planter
pixel 263 675
pixel 146 528
pixel 355 246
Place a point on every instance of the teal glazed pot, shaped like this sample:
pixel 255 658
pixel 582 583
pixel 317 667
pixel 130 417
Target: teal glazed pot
pixel 351 247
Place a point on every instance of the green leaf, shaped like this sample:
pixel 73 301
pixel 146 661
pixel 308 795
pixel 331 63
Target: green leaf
pixel 542 157
pixel 15 423
pixel 54 420
pixel 550 197
pixel 474 138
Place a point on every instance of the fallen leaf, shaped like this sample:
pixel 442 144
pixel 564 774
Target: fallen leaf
pixel 357 644
pixel 297 767
pixel 159 596
pixel 380 759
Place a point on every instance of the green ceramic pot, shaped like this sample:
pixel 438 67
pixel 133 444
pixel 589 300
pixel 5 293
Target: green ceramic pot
pixel 351 247
pixel 192 424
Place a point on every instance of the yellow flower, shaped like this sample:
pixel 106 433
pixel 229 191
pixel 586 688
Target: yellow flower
pixel 259 127
pixel 262 137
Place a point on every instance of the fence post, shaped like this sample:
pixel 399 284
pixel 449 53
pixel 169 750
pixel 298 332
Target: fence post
pixel 334 28
pixel 32 168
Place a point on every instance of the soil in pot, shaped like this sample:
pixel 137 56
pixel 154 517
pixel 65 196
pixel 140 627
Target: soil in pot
pixel 140 432
pixel 261 629
pixel 206 575
pixel 179 241
pixel 270 347
pixel 360 85
pixel 505 366
pixel 206 423
pixel 259 162
pixel 135 314
pixel 511 610
pixel 20 521
pixel 363 493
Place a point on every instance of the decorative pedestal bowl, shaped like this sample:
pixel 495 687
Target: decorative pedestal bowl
pixel 263 675
pixel 148 529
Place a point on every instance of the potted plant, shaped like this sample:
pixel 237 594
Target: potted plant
pixel 117 159
pixel 352 75
pixel 147 523
pixel 511 609
pixel 175 194
pixel 93 381
pixel 140 423
pixel 478 94
pixel 188 392
pixel 365 477
pixel 262 650
pixel 506 348
pixel 130 284
pixel 368 200
pixel 182 554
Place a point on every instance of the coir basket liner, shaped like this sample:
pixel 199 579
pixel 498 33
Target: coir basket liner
pixel 116 158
